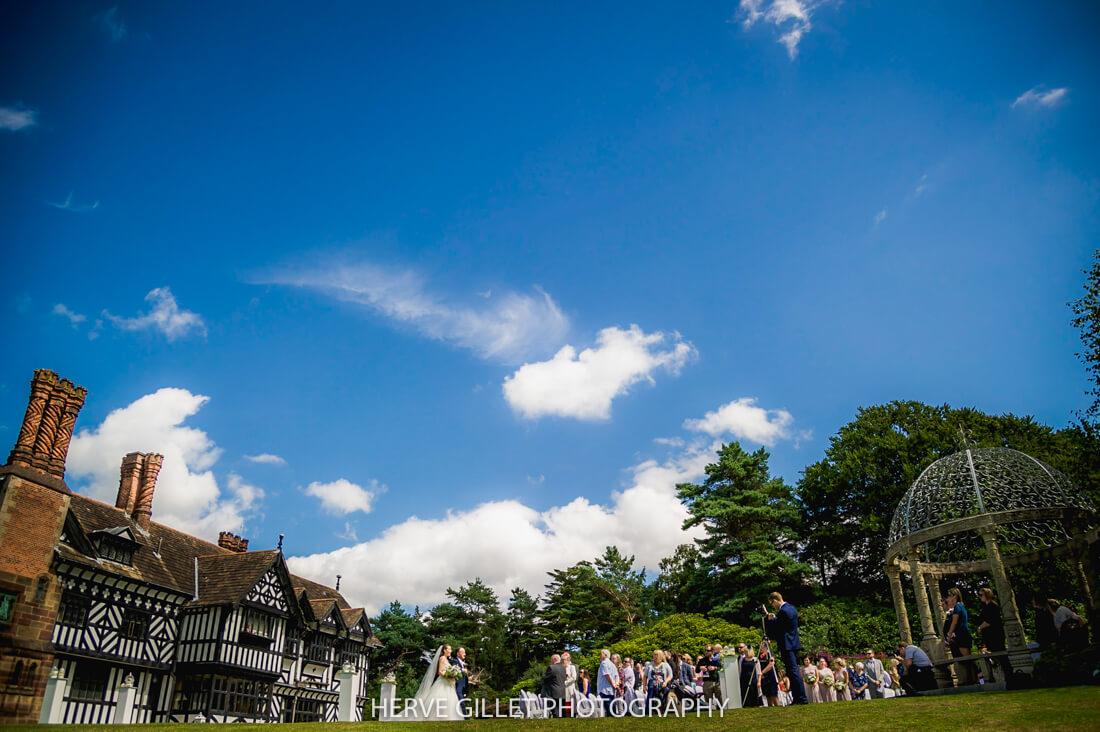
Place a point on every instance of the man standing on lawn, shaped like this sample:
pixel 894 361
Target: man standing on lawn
pixel 783 629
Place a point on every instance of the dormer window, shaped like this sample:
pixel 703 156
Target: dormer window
pixel 115 545
pixel 257 628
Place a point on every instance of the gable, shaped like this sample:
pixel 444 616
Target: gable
pixel 270 591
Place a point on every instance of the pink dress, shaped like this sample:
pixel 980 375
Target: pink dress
pixel 844 694
pixel 825 685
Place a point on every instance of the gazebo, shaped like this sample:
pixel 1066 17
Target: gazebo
pixel 984 511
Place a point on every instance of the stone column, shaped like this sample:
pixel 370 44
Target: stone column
pixel 930 642
pixel 1014 629
pixel 53 700
pixel 934 595
pixel 349 682
pixel 41 386
pixel 74 401
pixel 124 705
pixel 731 682
pixel 387 698
pixel 893 573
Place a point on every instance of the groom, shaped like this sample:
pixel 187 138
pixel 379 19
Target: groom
pixel 460 683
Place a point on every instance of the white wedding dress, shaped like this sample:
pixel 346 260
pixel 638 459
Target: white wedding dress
pixel 436 700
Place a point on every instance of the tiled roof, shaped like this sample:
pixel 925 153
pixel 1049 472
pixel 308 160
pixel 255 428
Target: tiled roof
pixel 227 578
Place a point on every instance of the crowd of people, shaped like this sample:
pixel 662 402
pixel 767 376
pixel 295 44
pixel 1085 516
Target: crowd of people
pixel 820 677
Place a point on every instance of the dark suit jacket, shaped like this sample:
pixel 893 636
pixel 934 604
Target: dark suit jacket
pixel 460 683
pixel 553 682
pixel 784 628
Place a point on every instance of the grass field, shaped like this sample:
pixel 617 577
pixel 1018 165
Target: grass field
pixel 1076 708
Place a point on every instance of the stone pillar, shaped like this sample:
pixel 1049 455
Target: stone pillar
pixel 124 705
pixel 53 699
pixel 349 682
pixel 74 401
pixel 41 385
pixel 387 698
pixel 1014 629
pixel 934 595
pixel 731 682
pixel 930 642
pixel 893 573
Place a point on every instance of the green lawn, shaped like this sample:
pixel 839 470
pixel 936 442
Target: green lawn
pixel 1075 708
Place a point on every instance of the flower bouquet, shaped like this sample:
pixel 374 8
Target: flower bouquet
pixel 453 673
pixel 839 685
pixel 811 677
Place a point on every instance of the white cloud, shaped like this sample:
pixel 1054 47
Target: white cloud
pixel 508 544
pixel 187 497
pixel 343 496
pixel 880 217
pixel 742 419
pixel 1036 97
pixel 13 119
pixel 790 17
pixel 165 317
pixel 74 318
pixel 509 327
pixel 921 187
pixel 583 385
pixel 265 459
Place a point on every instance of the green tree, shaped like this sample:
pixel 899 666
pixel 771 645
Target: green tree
pixel 473 619
pixel 523 630
pixel 847 500
pixel 1086 318
pixel 679 581
pixel 749 518
pixel 404 638
pixel 843 626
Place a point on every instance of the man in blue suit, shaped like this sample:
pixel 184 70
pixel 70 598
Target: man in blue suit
pixel 460 683
pixel 783 629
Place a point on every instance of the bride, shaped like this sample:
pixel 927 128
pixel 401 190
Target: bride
pixel 436 699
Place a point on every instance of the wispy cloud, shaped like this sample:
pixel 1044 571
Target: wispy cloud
pixel 74 318
pixel 1038 97
pixel 165 317
pixel 583 385
pixel 880 217
pixel 265 459
pixel 791 18
pixel 921 187
pixel 13 119
pixel 68 205
pixel 112 24
pixel 509 327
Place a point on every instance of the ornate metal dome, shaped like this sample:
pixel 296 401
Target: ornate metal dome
pixel 987 481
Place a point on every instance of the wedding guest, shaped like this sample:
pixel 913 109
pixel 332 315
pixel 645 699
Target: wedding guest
pixel 892 670
pixel 607 681
pixel 657 680
pixel 570 670
pixel 749 678
pixel 858 682
pixel 1069 625
pixel 918 670
pixel 876 674
pixel 844 693
pixel 553 683
pixel 959 638
pixel 626 676
pixel 584 684
pixel 1045 632
pixel 992 628
pixel 825 680
pixel 712 685
pixel 785 698
pixel 639 678
pixel 769 680
pixel 687 672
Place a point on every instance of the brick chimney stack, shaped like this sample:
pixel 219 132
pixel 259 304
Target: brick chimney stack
pixel 137 482
pixel 232 542
pixel 47 429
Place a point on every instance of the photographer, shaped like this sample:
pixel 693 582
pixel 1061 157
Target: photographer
pixel 782 627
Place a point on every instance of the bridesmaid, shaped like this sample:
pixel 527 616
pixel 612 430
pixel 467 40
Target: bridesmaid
pixel 825 681
pixel 809 677
pixel 841 674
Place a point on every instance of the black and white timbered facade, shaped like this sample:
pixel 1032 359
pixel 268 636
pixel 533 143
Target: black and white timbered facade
pixel 201 631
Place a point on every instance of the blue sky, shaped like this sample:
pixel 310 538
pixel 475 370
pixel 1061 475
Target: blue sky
pixel 482 282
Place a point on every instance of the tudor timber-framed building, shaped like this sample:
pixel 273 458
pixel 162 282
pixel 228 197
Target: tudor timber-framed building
pixel 97 601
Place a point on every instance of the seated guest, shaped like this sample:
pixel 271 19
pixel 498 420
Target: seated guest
pixel 894 677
